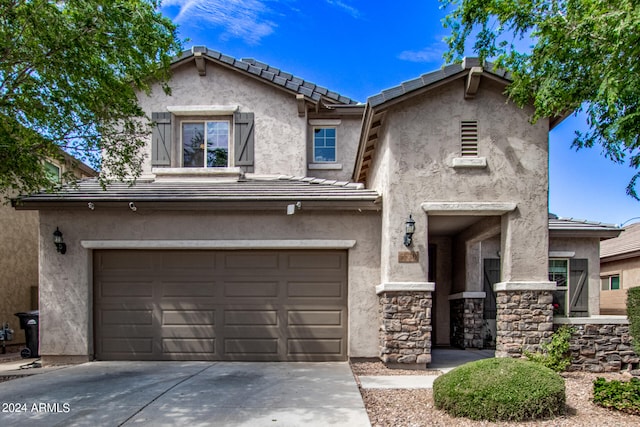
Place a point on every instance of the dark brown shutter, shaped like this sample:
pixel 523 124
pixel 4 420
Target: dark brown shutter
pixel 161 139
pixel 579 288
pixel 491 277
pixel 243 139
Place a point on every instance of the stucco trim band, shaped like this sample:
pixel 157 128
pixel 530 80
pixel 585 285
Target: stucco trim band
pixel 469 162
pixel 465 295
pixel 524 286
pixel 218 244
pixel 405 287
pixel 562 254
pixel 468 208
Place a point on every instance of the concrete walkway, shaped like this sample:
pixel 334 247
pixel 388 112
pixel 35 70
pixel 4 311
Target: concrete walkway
pixel 185 394
pixel 443 360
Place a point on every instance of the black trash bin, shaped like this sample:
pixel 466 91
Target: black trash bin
pixel 29 321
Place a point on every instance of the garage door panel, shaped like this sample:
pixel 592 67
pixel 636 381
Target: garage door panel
pixel 187 289
pixel 222 305
pixel 314 318
pixel 248 346
pixel 316 346
pixel 128 345
pixel 315 290
pixel 254 289
pixel 126 317
pixel 117 261
pixel 188 346
pixel 126 288
pixel 251 317
pixel 251 260
pixel 188 317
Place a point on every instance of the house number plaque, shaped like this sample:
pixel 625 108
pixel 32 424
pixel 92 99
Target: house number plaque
pixel 408 256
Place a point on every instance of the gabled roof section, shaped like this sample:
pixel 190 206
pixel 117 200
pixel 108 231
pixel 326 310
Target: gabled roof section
pixel 375 111
pixel 627 245
pixel 265 73
pixel 569 227
pixel 265 193
pixel 467 66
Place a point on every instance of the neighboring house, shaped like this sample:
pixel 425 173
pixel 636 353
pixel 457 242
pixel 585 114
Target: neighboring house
pixel 619 269
pixel 19 252
pixel 225 250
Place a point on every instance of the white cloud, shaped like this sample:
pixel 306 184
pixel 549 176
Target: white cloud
pixel 346 7
pixel 244 19
pixel 428 54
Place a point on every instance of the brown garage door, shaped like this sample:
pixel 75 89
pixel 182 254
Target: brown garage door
pixel 220 305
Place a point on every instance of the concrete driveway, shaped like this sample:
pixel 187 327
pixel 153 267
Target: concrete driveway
pixel 185 394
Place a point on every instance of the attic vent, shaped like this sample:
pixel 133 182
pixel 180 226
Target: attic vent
pixel 469 138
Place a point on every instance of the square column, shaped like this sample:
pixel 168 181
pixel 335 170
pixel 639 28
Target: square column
pixel 405 323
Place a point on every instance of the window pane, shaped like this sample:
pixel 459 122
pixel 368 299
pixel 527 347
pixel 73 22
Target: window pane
pixel 615 282
pixel 52 171
pixel 324 145
pixel 558 272
pixel 217 144
pixel 193 145
pixel 604 283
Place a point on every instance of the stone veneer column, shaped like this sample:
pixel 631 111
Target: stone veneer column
pixel 467 319
pixel 405 323
pixel 524 316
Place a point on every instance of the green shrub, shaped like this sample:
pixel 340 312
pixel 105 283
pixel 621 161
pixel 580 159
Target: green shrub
pixel 621 395
pixel 633 313
pixel 500 390
pixel 555 354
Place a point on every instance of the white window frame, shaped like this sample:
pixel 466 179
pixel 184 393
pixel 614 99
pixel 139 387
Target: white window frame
pixel 205 121
pixel 335 148
pixel 608 278
pixel 52 165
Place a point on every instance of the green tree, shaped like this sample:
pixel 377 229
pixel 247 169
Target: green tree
pixel 69 74
pixel 584 57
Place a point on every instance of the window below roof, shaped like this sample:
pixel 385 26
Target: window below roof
pixel 324 144
pixel 610 283
pixel 205 144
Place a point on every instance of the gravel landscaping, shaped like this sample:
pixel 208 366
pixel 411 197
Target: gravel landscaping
pixel 414 408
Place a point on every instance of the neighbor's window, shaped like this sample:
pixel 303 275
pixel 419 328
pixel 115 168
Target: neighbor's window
pixel 52 171
pixel 610 283
pixel 205 144
pixel 559 273
pixel 324 145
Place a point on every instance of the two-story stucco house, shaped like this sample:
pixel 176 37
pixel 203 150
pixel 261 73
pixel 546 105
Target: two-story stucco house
pixel 277 220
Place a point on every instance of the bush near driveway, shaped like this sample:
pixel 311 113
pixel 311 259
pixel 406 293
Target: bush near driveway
pixel 500 390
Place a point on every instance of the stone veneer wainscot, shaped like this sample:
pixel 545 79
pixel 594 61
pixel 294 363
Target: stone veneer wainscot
pixel 405 329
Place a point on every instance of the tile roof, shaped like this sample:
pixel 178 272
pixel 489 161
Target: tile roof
pixel 431 78
pixel 628 243
pixel 576 227
pixel 269 74
pixel 277 189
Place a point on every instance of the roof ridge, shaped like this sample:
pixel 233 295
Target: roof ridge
pixel 271 74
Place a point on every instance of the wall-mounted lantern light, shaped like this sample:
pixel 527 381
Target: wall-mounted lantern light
pixel 61 247
pixel 410 228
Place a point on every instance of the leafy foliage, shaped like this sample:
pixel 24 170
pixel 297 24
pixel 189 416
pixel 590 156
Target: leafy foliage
pixel 584 57
pixel 555 354
pixel 633 314
pixel 69 72
pixel 620 395
pixel 501 389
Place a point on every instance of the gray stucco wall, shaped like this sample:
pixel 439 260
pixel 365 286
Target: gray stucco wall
pixel 414 164
pixel 66 280
pixel 276 116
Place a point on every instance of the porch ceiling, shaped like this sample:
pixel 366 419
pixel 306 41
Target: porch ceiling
pixel 451 225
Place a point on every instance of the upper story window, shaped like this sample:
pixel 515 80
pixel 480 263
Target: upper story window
pixel 205 144
pixel 52 171
pixel 324 145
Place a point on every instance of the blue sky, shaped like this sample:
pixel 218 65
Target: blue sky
pixel 361 47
